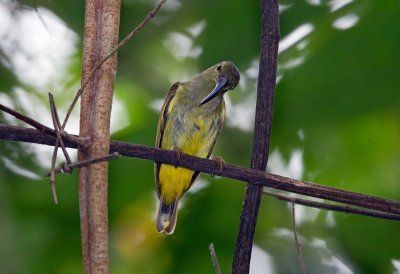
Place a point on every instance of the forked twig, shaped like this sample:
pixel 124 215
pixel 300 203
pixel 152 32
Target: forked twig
pixel 58 129
pixel 214 259
pixel 65 168
pixel 59 141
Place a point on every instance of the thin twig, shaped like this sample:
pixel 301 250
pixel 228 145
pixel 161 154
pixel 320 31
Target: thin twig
pixel 53 176
pixel 59 140
pixel 27 120
pixel 58 128
pixel 82 142
pixel 65 168
pixel 149 16
pixel 53 191
pixel 243 174
pixel 214 259
pixel 333 207
pixel 54 114
pixel 296 240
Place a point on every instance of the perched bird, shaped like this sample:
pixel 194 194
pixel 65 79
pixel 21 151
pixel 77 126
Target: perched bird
pixel 190 121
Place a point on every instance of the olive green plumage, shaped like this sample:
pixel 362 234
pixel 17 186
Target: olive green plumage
pixel 190 122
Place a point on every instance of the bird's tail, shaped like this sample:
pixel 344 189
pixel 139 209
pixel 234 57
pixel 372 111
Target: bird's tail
pixel 166 217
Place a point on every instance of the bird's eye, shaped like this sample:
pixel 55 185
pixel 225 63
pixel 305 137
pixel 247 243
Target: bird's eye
pixel 219 66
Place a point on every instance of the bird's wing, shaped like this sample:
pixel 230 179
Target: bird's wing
pixel 161 126
pixel 196 173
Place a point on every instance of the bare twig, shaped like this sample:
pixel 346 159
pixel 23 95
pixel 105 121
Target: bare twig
pixel 54 113
pixel 53 176
pixel 65 168
pixel 296 240
pixel 58 129
pixel 333 207
pixel 27 120
pixel 59 141
pixel 97 65
pixel 250 176
pixel 82 142
pixel 214 259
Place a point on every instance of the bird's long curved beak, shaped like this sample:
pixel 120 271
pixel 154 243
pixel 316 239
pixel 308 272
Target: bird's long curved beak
pixel 221 83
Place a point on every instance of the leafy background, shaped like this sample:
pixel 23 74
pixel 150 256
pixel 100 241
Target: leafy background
pixel 336 122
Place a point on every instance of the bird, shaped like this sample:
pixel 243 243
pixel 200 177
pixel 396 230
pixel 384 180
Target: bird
pixel 190 121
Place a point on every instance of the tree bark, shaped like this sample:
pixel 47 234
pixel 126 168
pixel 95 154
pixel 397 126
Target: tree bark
pixel 100 36
pixel 262 131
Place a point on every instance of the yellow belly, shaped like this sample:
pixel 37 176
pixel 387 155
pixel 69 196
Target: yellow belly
pixel 175 181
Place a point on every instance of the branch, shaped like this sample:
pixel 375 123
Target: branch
pixel 248 175
pixel 333 207
pixel 262 132
pixel 42 128
pixel 296 241
pixel 214 259
pixel 101 30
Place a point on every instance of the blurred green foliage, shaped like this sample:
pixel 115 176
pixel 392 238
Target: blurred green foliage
pixel 336 122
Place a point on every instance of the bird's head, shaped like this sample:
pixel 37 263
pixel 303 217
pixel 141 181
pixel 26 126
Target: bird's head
pixel 226 77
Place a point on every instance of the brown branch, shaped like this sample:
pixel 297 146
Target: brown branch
pixel 248 175
pixel 27 120
pixel 262 132
pixel 42 128
pixel 214 259
pixel 333 207
pixel 30 135
pixel 101 31
pixel 297 243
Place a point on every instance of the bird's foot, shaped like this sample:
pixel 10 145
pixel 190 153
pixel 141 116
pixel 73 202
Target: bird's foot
pixel 220 163
pixel 179 154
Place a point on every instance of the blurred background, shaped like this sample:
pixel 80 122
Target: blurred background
pixel 336 122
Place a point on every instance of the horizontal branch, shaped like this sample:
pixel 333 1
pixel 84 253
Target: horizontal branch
pixel 252 176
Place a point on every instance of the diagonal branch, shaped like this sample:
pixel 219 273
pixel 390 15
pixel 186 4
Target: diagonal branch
pixel 42 128
pixel 248 175
pixel 333 207
pixel 214 259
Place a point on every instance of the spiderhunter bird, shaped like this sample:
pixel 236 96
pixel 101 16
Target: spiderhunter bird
pixel 190 121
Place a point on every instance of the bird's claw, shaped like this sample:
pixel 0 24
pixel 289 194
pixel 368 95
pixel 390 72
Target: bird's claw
pixel 220 163
pixel 179 154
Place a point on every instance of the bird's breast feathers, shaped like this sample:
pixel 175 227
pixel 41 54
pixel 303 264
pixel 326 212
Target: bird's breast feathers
pixel 193 131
